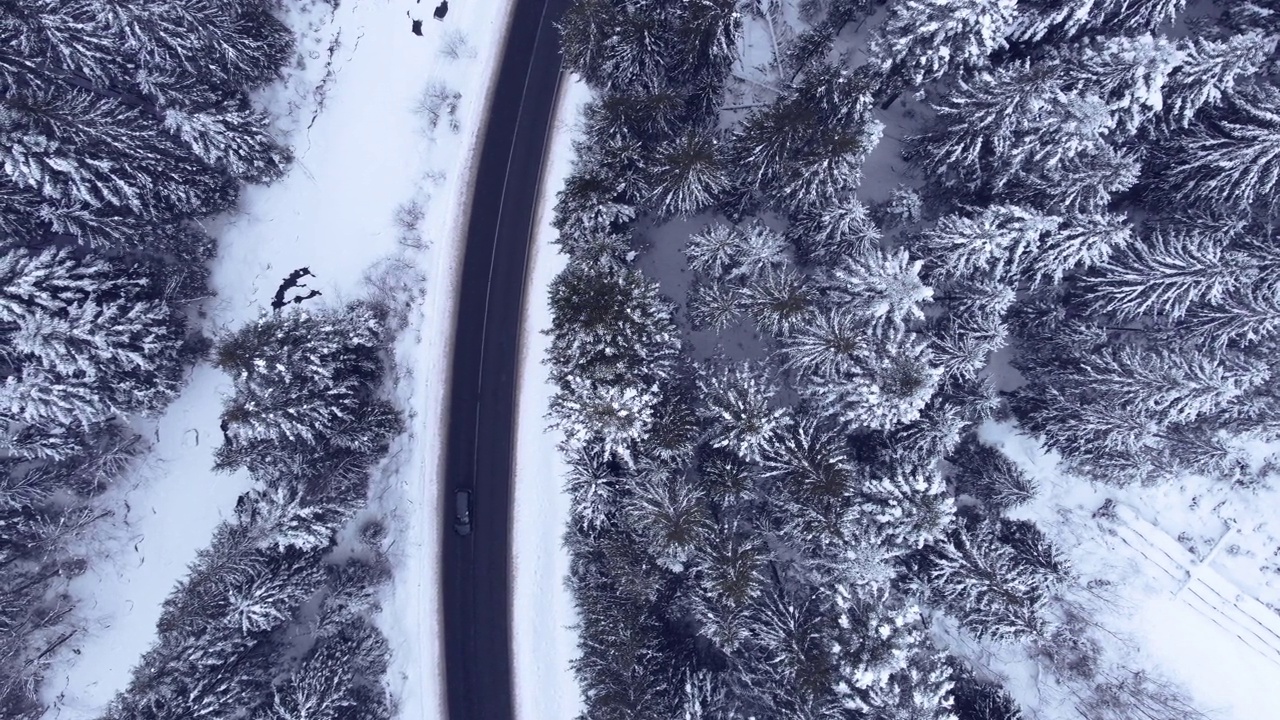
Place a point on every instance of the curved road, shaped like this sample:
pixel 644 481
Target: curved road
pixel 479 448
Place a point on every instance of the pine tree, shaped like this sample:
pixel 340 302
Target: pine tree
pixel 301 378
pixel 731 253
pixel 1079 243
pixel 827 342
pixel 75 146
pixel 1164 274
pixel 1242 317
pixel 992 591
pixel 668 512
pixel 739 408
pixel 85 339
pixel 1170 386
pixel 688 174
pixel 1209 71
pixel 826 233
pixel 990 476
pixel 614 414
pixel 907 502
pixel 999 124
pixel 232 137
pixel 778 301
pixel 806 148
pixel 1080 184
pixel 885 386
pixel 714 306
pixel 996 243
pixel 888 667
pixel 882 286
pixel 708 31
pixel 921 40
pixel 592 480
pixel 1230 160
pixel 1129 73
pixel 976 700
pixel 727 570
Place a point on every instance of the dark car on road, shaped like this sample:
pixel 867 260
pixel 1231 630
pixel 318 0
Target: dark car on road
pixel 462 512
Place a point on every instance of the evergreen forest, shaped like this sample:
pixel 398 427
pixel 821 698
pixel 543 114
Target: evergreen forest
pixel 1076 237
pixel 123 125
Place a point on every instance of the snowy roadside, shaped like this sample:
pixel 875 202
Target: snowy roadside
pixel 365 150
pixel 543 639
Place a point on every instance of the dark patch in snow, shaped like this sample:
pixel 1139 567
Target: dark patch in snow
pixel 290 283
pixel 441 10
pixel 417 28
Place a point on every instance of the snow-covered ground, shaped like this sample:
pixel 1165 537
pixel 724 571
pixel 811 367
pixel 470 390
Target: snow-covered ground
pixel 352 109
pixel 543 616
pixel 1160 604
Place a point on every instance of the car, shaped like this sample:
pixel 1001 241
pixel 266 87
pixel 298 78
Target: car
pixel 462 512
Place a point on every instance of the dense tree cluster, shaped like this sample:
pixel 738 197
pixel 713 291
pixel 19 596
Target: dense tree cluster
pixel 268 621
pixel 748 538
pixel 120 124
pixel 1090 196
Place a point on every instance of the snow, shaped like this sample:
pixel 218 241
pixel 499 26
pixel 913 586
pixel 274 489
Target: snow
pixel 543 639
pixel 1161 605
pixel 362 151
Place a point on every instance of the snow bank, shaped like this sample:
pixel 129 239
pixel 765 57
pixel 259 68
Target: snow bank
pixel 543 638
pixel 351 108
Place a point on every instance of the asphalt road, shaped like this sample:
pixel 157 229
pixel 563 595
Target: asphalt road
pixel 479 450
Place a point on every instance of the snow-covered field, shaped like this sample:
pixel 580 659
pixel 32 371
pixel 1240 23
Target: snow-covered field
pixel 542 636
pixel 1161 605
pixel 353 110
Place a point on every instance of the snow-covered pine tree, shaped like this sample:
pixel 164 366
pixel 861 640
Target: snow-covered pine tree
pixel 886 385
pixel 809 460
pixel 886 665
pixel 827 342
pixel 688 174
pixel 85 339
pixel 988 475
pixel 591 202
pixel 778 301
pixel 998 124
pixel 806 148
pixel 791 673
pixel 668 512
pixel 714 305
pixel 301 378
pixel 1164 274
pixel 973 699
pixel 1243 317
pixel 76 146
pixel 1227 162
pixel 592 480
pixel 995 243
pixel 1083 183
pixel 907 502
pixel 921 40
pixel 1209 71
pixel 614 345
pixel 1129 73
pixel 736 254
pixel 1065 19
pixel 986 585
pixel 882 286
pixel 708 32
pixel 727 570
pixel 739 409
pixel 232 137
pixel 1170 386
